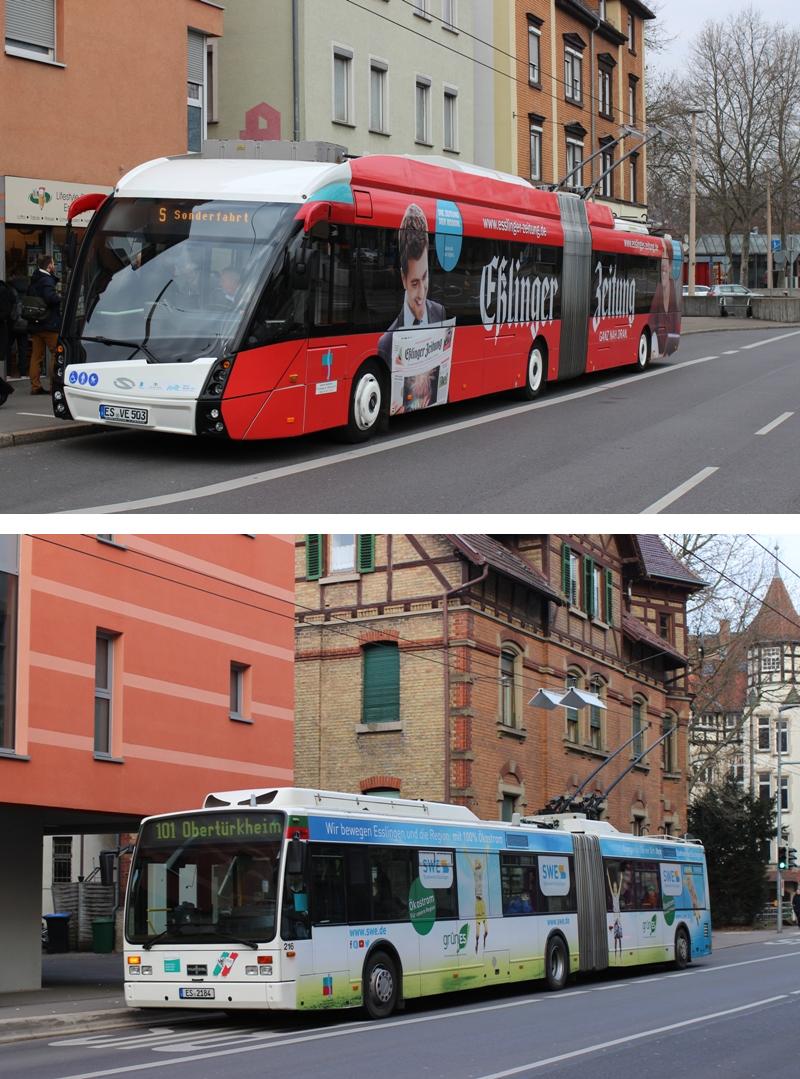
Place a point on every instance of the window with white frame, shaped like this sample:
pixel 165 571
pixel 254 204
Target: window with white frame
pixel 631 33
pixel 764 786
pixel 632 100
pixel 422 127
pixel 212 69
pixel 450 118
pixel 763 733
pixel 782 730
pixel 378 79
pixel 572 715
pixel 601 9
pixel 509 683
pixel 31 28
pixel 342 85
pixel 575 162
pixel 196 92
pixel 669 727
pixel 536 136
pixel 634 186
pixel 573 75
pixel 596 740
pixel 342 553
pixel 737 772
pixel 422 8
pixel 103 691
pixel 637 726
pixel 784 792
pixel 771 659
pixel 607 172
pixel 571 575
pixel 604 90
pixel 534 54
pixel 449 14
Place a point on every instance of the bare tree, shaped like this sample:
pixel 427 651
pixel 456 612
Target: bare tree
pixel 784 158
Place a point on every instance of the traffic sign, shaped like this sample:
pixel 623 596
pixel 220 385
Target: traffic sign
pixel 776 244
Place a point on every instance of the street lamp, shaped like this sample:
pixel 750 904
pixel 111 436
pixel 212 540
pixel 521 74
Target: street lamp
pixel 694 112
pixel 792 701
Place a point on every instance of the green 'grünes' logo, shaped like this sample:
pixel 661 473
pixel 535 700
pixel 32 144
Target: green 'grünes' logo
pixel 421 907
pixel 669 909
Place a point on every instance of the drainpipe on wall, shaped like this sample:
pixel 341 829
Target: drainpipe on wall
pixel 295 70
pixel 592 90
pixel 446 643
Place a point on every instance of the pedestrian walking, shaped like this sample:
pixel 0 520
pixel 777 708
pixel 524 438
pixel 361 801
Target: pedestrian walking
pixel 44 330
pixel 8 300
pixel 796 905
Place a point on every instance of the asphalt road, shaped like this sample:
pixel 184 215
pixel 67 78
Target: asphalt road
pixel 733 1014
pixel 714 429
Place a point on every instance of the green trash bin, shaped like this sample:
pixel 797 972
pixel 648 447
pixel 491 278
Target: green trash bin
pixel 103 935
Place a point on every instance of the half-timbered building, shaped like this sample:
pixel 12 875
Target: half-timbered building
pixel 418 657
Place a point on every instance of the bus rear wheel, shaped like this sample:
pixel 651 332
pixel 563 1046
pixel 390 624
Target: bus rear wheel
pixel 643 352
pixel 556 963
pixel 535 375
pixel 381 986
pixel 366 403
pixel 683 949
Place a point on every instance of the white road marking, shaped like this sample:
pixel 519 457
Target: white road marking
pixel 534 1064
pixel 771 426
pixel 731 352
pixel 681 490
pixel 256 478
pixel 769 340
pixel 39 416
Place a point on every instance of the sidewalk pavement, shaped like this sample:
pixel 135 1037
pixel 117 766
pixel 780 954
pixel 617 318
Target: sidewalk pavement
pixel 83 992
pixel 24 418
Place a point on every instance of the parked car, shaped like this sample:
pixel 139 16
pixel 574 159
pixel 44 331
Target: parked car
pixel 734 297
pixel 699 290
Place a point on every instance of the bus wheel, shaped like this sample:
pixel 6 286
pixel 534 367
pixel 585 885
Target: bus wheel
pixel 366 403
pixel 556 963
pixel 643 353
pixel 683 949
pixel 536 374
pixel 380 986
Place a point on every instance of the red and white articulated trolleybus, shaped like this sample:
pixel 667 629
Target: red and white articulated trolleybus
pixel 260 299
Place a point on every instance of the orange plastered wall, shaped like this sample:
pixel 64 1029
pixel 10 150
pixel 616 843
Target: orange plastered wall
pixel 184 608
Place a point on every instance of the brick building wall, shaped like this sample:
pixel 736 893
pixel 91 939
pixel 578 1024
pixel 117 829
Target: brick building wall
pixel 458 639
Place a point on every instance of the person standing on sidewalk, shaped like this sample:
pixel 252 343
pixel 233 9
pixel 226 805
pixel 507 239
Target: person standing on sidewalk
pixel 796 905
pixel 45 333
pixel 8 301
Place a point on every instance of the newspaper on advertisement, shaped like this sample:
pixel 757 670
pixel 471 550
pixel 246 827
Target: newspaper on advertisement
pixel 421 366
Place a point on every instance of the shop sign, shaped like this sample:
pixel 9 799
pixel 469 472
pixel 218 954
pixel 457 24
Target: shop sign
pixel 34 201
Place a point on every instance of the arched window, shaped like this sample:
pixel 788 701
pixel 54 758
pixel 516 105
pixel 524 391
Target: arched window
pixel 638 720
pixel 510 686
pixel 572 715
pixel 597 734
pixel 669 726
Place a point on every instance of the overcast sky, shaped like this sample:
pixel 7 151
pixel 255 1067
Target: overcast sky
pixel 682 19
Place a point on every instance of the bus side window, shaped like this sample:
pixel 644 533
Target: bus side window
pixel 358 886
pixel 281 311
pixel 328 897
pixel 332 284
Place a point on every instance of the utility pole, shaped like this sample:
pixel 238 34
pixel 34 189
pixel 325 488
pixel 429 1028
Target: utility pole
pixel 769 233
pixel 694 112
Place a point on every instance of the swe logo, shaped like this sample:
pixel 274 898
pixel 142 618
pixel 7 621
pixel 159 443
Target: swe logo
pixel 225 964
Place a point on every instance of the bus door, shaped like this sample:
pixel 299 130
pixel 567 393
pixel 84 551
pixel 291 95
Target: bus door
pixel 330 284
pixel 329 926
pixel 576 283
pixel 622 916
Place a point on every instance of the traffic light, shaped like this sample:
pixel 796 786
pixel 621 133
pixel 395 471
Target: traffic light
pixel 781 857
pixel 791 859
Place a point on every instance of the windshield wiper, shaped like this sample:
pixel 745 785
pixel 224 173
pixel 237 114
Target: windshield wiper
pixel 158 936
pixel 137 346
pixel 234 940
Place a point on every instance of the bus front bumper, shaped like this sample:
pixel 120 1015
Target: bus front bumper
pixel 149 993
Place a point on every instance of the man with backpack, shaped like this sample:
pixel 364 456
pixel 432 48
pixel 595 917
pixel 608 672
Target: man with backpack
pixel 41 307
pixel 8 302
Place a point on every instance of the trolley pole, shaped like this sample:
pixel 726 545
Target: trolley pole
pixel 778 877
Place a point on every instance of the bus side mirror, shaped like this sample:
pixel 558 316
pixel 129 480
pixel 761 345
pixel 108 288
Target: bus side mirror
pixel 70 249
pixel 107 859
pixel 294 856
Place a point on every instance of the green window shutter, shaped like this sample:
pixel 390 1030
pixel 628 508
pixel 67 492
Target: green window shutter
pixel 381 684
pixel 566 576
pixel 365 556
pixel 588 586
pixel 313 557
pixel 609 596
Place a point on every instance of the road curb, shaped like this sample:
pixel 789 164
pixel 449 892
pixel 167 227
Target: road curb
pixel 46 434
pixel 69 1023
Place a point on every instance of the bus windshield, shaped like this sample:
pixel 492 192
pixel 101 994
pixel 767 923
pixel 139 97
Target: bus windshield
pixel 172 279
pixel 205 877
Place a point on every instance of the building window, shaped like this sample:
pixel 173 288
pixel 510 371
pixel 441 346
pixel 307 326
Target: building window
pixel 239 686
pixel 594 590
pixel 632 100
pixel 596 739
pixel 771 660
pixel 604 91
pixel 382 792
pixel 212 82
pixel 634 185
pixel 31 27
pixel 337 556
pixel 450 119
pixel 764 792
pixel 601 9
pixel 381 682
pixel 607 172
pixel 572 715
pixel 537 135
pixel 669 727
pixel 449 15
pixel 341 554
pixel 574 163
pixel 8 658
pixel 631 33
pixel 510 683
pixel 665 626
pixel 784 793
pixel 637 727
pixel 639 826
pixel 573 75
pixel 196 92
pixel 763 733
pixel 62 859
pixel 103 691
pixel 342 86
pixel 570 574
pixel 421 8
pixel 534 55
pixel 422 129
pixel 737 771
pixel 377 96
pixel 508 807
pixel 782 739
